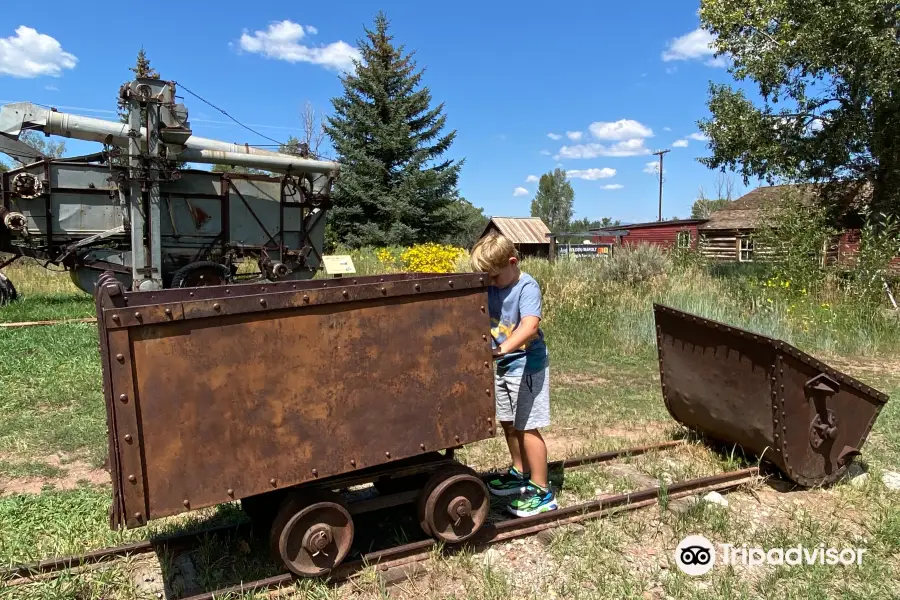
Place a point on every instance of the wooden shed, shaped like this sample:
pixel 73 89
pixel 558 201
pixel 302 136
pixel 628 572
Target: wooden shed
pixel 529 234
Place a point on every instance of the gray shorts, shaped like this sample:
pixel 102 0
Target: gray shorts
pixel 524 399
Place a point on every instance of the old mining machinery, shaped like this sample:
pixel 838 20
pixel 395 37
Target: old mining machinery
pixel 133 210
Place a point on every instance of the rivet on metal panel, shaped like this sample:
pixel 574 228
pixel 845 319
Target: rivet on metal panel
pixel 169 312
pixel 262 301
pixel 216 306
pixel 456 437
pixel 778 450
pixel 120 357
pixel 387 454
pixel 227 291
pixel 490 432
pixel 294 287
pixel 315 473
pixel 384 290
pixel 450 283
pixel 353 462
pixel 418 287
pixel 132 478
pixel 487 365
pixel 422 446
pixel 484 337
pixel 137 316
pixel 272 482
pixel 128 437
pixel 116 318
pixel 345 293
pixel 306 299
pixel 381 280
pixel 123 397
pixel 137 516
pixel 230 492
pixel 186 503
pixel 488 392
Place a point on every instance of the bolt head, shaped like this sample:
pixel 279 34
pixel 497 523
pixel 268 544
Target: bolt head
pixel 120 357
pixel 137 316
pixel 262 301
pixel 353 462
pixel 216 306
pixel 123 397
pixel 306 298
pixel 128 437
pixel 230 492
pixel 186 503
pixel 116 318
pixel 132 478
pixel 272 481
pixel 168 312
pixel 422 446
pixel 137 516
pixel 387 454
pixel 315 473
pixel 345 293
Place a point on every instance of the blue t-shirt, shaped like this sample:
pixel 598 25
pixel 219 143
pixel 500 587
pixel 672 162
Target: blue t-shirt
pixel 507 307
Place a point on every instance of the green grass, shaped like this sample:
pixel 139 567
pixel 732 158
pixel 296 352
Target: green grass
pixel 606 395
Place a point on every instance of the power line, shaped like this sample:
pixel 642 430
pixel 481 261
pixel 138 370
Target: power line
pixel 204 100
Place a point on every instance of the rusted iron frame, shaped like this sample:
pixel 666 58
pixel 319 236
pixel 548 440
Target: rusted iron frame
pixel 238 299
pixel 256 218
pixel 492 534
pixel 179 309
pixel 67 562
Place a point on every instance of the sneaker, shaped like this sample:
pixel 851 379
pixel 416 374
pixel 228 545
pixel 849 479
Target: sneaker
pixel 510 483
pixel 533 501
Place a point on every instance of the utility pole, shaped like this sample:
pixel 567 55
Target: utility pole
pixel 660 154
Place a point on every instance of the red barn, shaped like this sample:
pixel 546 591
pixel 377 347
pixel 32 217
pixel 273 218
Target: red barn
pixel 666 234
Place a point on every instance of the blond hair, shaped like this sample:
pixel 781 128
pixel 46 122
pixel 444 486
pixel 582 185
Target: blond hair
pixel 492 253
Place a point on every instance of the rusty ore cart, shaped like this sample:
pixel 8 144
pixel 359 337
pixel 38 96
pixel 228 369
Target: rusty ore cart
pixel 738 387
pixel 279 394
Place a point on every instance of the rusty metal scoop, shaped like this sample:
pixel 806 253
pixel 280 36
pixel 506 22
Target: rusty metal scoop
pixel 770 398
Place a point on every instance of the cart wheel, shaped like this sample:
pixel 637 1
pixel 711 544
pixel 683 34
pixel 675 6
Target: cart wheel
pixel 200 274
pixel 7 290
pixel 312 533
pixel 454 504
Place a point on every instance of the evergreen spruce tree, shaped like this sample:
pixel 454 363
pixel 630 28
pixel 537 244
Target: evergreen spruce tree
pixel 394 186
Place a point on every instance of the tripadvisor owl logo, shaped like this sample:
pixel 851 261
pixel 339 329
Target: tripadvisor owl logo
pixel 695 555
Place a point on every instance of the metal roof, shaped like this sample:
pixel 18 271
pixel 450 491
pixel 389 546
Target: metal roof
pixel 520 230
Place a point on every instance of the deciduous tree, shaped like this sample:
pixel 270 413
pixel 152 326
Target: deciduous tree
pixel 826 72
pixel 553 200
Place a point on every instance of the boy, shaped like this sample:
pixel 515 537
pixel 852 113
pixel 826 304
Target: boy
pixel 522 377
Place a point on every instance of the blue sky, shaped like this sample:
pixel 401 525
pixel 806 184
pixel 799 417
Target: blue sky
pixel 593 87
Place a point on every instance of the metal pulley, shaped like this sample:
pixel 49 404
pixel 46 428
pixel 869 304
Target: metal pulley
pixel 27 186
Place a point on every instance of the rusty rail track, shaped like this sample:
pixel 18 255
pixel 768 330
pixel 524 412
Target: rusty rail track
pixel 407 554
pixel 403 557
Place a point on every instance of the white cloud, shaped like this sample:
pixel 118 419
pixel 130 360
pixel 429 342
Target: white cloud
pixel 30 54
pixel 652 168
pixel 591 174
pixel 680 144
pixel 546 152
pixel 667 129
pixel 700 137
pixel 554 136
pixel 696 44
pixel 574 135
pixel 623 129
pixel 634 147
pixel 532 179
pixel 281 41
pixel 51 88
pixel 520 191
pixel 613 186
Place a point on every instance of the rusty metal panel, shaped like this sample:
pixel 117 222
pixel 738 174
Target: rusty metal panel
pixel 775 401
pixel 271 390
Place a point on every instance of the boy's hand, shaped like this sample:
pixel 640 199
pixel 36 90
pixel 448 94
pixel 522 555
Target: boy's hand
pixel 498 351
